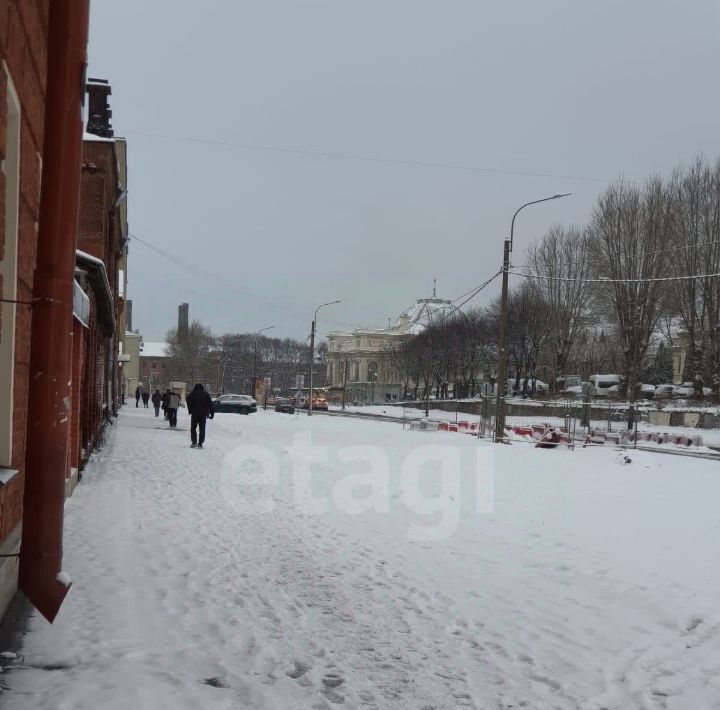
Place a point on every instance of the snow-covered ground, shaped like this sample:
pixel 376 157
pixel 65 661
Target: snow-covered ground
pixel 199 584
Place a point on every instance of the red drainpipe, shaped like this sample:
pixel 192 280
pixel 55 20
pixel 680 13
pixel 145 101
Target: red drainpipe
pixel 51 337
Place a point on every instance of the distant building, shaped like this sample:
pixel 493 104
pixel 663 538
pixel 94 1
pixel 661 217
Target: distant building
pixel 131 364
pixel 362 358
pixel 154 365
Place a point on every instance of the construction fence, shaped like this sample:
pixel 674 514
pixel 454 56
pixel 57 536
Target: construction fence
pixel 565 422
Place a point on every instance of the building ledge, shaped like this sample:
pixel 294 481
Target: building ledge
pixel 6 475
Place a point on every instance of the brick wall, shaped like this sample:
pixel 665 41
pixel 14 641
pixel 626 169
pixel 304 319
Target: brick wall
pixel 23 48
pixel 78 363
pixel 99 232
pixel 23 51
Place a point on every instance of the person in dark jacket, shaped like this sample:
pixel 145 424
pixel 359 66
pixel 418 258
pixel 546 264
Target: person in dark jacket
pixel 137 396
pixel 200 407
pixel 165 399
pixel 145 399
pixel 156 400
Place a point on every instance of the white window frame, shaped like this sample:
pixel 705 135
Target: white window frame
pixel 8 268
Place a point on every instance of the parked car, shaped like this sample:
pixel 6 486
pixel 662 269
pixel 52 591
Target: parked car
pixel 540 387
pixel 603 383
pixel 707 391
pixel 664 391
pixel 643 391
pixel 683 390
pixel 647 391
pixel 240 403
pixel 284 405
pixel 572 381
pixel 318 403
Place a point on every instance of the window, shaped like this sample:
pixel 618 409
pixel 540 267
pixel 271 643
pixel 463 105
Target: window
pixel 8 269
pixel 372 371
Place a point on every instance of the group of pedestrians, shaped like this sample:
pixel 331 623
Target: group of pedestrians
pixel 199 404
pixel 141 394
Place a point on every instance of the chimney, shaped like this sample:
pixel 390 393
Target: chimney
pixel 128 316
pixel 99 113
pixel 183 320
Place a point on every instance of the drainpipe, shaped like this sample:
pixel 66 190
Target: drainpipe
pixel 51 338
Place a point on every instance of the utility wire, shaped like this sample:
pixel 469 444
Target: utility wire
pixel 291 310
pixel 373 159
pixel 610 281
pixel 635 256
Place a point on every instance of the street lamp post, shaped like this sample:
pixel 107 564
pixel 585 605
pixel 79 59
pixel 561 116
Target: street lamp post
pixel 312 351
pixel 257 335
pixel 502 335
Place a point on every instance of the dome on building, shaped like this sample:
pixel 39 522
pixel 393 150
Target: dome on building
pixel 424 312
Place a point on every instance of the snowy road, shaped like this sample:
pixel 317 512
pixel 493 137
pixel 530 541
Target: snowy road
pixel 592 585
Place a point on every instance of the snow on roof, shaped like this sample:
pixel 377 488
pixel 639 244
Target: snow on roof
pixel 153 349
pixel 412 321
pixel 100 139
pixel 90 257
pixel 424 312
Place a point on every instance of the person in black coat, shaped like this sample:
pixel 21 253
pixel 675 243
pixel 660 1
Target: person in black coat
pixel 200 407
pixel 137 396
pixel 156 400
pixel 165 400
pixel 145 399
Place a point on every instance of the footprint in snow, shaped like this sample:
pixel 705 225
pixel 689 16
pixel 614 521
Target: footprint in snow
pixel 298 671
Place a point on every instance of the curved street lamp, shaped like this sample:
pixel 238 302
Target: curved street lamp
pixel 312 351
pixel 502 336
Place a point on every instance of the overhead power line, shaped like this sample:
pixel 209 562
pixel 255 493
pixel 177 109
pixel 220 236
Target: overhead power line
pixel 374 159
pixel 629 257
pixel 295 313
pixel 610 281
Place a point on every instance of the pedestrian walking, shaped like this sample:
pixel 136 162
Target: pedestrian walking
pixel 157 400
pixel 165 402
pixel 200 407
pixel 173 402
pixel 145 399
pixel 137 396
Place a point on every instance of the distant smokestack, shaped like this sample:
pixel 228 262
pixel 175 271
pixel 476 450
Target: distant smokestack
pixel 128 316
pixel 183 320
pixel 99 112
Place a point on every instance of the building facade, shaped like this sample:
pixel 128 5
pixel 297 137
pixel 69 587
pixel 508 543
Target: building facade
pixel 154 366
pixel 360 362
pixel 23 63
pixel 102 226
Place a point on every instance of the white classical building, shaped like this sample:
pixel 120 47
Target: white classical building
pixel 361 360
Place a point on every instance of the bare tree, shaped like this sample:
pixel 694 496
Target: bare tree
pixel 189 353
pixel 561 264
pixel 631 230
pixel 696 251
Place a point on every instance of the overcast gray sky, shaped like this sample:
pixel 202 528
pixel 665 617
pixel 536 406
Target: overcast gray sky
pixel 569 88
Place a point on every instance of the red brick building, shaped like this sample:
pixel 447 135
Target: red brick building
pixel 102 225
pixel 93 361
pixel 59 336
pixel 23 62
